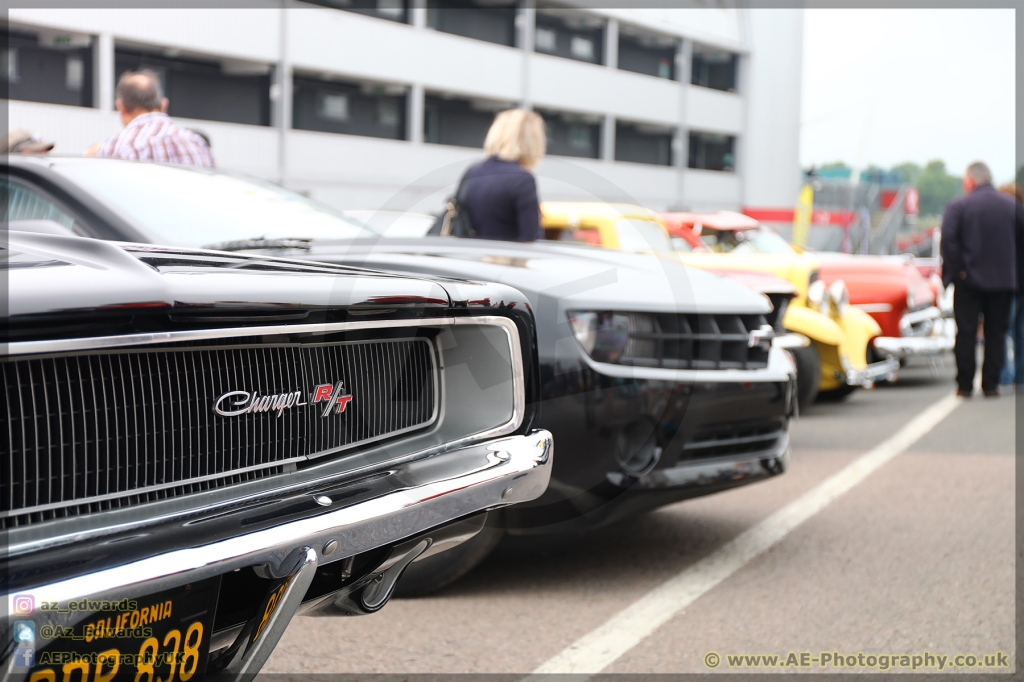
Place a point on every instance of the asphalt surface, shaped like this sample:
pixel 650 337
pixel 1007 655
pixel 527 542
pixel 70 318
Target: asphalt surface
pixel 918 557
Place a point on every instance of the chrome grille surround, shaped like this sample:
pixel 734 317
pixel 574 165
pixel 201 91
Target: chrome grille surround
pixel 105 429
pixel 378 459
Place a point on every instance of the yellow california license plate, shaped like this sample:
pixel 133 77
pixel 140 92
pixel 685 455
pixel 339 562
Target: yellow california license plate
pixel 163 637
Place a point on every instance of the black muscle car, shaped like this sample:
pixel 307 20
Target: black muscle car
pixel 659 382
pixel 199 446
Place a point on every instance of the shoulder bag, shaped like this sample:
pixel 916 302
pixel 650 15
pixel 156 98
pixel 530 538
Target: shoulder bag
pixel 454 221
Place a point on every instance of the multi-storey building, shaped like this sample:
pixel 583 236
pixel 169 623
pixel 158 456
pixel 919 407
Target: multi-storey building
pixel 383 103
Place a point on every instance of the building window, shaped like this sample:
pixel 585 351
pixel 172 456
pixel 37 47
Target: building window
pixel 570 34
pixel 714 68
pixel 54 68
pixel 350 108
pixel 393 10
pixel 648 53
pixel 643 143
pixel 494 22
pixel 208 89
pixel 459 122
pixel 712 152
pixel 572 134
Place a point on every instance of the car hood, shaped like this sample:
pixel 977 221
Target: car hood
pixel 794 268
pixel 50 274
pixel 579 277
pixel 764 282
pixel 871 279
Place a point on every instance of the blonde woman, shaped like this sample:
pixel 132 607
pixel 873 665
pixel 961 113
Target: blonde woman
pixel 500 193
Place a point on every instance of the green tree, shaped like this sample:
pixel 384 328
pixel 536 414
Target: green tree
pixel 937 188
pixel 911 171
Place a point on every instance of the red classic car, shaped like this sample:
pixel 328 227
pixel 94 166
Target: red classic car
pixel 905 304
pixel 892 289
pixel 686 228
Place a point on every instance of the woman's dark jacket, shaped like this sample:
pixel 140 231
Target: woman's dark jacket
pixel 501 200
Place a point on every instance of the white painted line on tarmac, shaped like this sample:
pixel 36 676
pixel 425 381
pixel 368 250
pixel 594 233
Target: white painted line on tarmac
pixel 595 651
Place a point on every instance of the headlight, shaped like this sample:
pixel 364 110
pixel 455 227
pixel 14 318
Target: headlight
pixel 817 296
pixel 606 336
pixel 840 295
pixel 910 298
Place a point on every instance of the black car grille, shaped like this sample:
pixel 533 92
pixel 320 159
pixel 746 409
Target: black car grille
pixel 96 431
pixel 694 341
pixel 729 440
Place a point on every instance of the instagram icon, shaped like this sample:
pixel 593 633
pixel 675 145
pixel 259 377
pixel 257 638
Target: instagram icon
pixel 24 604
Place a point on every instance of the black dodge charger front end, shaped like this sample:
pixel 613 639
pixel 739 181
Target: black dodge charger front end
pixel 201 446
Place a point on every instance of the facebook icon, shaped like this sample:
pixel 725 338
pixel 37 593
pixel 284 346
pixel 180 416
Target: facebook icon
pixel 24 657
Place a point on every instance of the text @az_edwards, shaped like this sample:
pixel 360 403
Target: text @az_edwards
pixel 839 660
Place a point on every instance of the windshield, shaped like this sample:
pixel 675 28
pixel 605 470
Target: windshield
pixel 761 240
pixel 183 206
pixel 636 234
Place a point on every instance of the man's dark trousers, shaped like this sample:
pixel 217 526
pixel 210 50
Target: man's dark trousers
pixel 968 305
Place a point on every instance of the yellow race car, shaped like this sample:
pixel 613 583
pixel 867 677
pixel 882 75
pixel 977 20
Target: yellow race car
pixel 839 334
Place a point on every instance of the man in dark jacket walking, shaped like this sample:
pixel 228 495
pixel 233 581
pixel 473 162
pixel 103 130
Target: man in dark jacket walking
pixel 981 233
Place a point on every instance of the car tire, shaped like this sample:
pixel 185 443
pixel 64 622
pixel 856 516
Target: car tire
pixel 808 375
pixel 433 573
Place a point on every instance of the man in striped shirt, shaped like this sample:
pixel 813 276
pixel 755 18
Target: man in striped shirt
pixel 149 134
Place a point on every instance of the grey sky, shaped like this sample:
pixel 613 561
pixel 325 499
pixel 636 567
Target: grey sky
pixel 884 86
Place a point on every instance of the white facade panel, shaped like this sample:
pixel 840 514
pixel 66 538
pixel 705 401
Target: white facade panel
pixel 771 146
pixel 565 179
pixel 710 191
pixel 243 34
pixel 719 26
pixel 714 111
pixel 352 172
pixel 576 86
pixel 345 43
pixel 325 157
pixel 72 129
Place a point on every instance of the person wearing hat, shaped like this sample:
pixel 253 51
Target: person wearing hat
pixel 24 141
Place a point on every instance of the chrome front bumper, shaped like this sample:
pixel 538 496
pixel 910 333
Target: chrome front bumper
pixel 903 348
pixel 886 370
pixel 492 474
pixel 935 334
